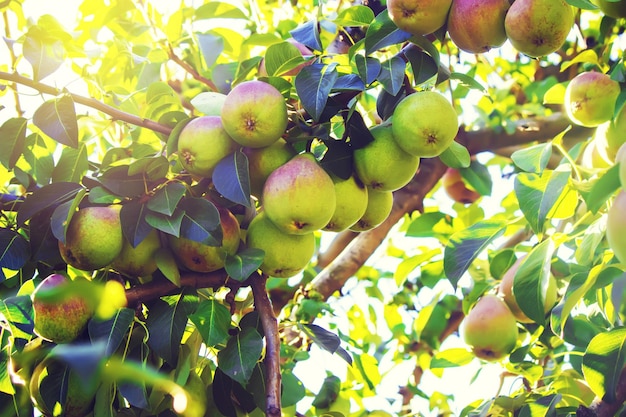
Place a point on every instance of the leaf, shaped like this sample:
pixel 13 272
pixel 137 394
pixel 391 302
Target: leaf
pixel 355 16
pixel 323 338
pixel 166 323
pixel 308 34
pixel 423 65
pixel 18 313
pixel 212 319
pixel 232 179
pixel 201 221
pixel 244 263
pixel 456 156
pixel 282 57
pixel 85 359
pixel 112 331
pixel 13 134
pixel 44 56
pixel 382 32
pixel 313 84
pixel 368 68
pixel 135 228
pixel 14 249
pixel 328 392
pixel 72 165
pixel 533 158
pixel 468 82
pixel 603 362
pixel 602 189
pixel 392 74
pixel 477 175
pixel 451 358
pixel 211 46
pixel 62 215
pixel 165 200
pixel 218 9
pixel 57 119
pixel 117 180
pixel 241 354
pixel 465 245
pixel 166 224
pixel 48 196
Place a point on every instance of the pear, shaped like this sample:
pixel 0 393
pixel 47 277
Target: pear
pixel 299 197
pixel 538 27
pixel 490 328
pixel 476 26
pixel 202 143
pixel 590 98
pixel 616 226
pixel 613 133
pixel 418 17
pixel 94 237
pixel 454 186
pixel 263 161
pixel 285 254
pixel 615 9
pixel 351 203
pixel 382 164
pixel 139 261
pixel 379 205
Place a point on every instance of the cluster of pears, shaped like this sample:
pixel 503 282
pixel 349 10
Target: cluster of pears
pixel 490 328
pixel 534 27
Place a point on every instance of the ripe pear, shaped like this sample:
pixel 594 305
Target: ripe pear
pixel 202 143
pixel 63 320
pixel 490 328
pixel 616 226
pixel 476 26
pixel 299 197
pixel 505 290
pixel 94 237
pixel 454 186
pixel 254 114
pixel 199 257
pixel 263 161
pixel 616 9
pixel 351 203
pixel 538 27
pixel 418 17
pixel 379 205
pixel 382 164
pixel 139 261
pixel 590 98
pixel 285 254
pixel 424 124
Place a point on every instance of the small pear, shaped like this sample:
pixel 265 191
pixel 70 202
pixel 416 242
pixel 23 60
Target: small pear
pixel 139 261
pixel 590 98
pixel 263 161
pixel 379 205
pixel 351 203
pixel 299 197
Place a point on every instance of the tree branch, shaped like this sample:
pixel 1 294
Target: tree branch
pixel 116 114
pixel 602 408
pixel 191 70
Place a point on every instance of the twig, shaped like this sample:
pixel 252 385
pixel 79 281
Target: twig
pixel 338 244
pixel 191 70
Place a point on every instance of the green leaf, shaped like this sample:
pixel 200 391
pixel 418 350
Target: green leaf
pixel 218 9
pixel 14 249
pixel 72 165
pixel 392 74
pixel 45 55
pixel 212 319
pixel 423 65
pixel 477 175
pixel 603 363
pixel 382 32
pixel 368 68
pixel 355 16
pixel 232 179
pixel 201 221
pixel 465 245
pixel 112 331
pixel 308 34
pixel 57 119
pixel 328 341
pixel 165 200
pixel 533 158
pixel 18 313
pixel 244 263
pixel 241 354
pixel 134 225
pixel 62 215
pixel 13 134
pixel 424 225
pixel 166 263
pixel 451 358
pixel 117 180
pixel 456 156
pixel 468 82
pixel 166 224
pixel 46 197
pixel 602 189
pixel 328 392
pixel 282 57
pixel 313 84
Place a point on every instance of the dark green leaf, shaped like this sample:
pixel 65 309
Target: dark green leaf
pixel 423 65
pixel 382 32
pixel 165 200
pixel 328 392
pixel 322 337
pixel 134 225
pixel 604 361
pixel 456 156
pixel 534 158
pixel 201 221
pixel 72 165
pixel 392 74
pixel 152 168
pixel 13 134
pixel 112 331
pixel 313 84
pixel 232 179
pixel 18 313
pixel 368 68
pixel 166 224
pixel 338 158
pixel 212 319
pixel 293 389
pixel 241 354
pixel 85 359
pixel 386 103
pixel 49 196
pixel 57 119
pixel 117 180
pixel 244 263
pixel 14 249
pixel 308 35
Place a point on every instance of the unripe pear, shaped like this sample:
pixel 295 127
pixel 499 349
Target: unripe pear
pixel 620 158
pixel 418 17
pixel 299 197
pixel 424 124
pixel 538 27
pixel 476 26
pixel 382 164
pixel 263 161
pixel 59 321
pixel 379 205
pixel 351 203
pixel 199 257
pixel 285 254
pixel 590 98
pixel 94 237
pixel 616 226
pixel 254 114
pixel 490 328
pixel 202 143
pixel 139 261
pixel 613 133
pixel 616 9
pixel 453 184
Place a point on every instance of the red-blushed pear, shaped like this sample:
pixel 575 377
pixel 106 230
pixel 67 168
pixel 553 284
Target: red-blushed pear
pixel 616 9
pixel 263 161
pixel 139 261
pixel 490 329
pixel 590 98
pixel 505 290
pixel 538 27
pixel 418 17
pixel 59 320
pixel 351 203
pixel 199 257
pixel 379 205
pixel 299 197
pixel 285 254
pixel 306 53
pixel 616 226
pixel 476 26
pixel 202 143
pixel 94 237
pixel 424 124
pixel 382 164
pixel 454 186
pixel 254 114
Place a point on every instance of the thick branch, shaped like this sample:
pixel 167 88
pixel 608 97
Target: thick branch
pixel 116 114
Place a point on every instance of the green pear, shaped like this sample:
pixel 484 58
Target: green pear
pixel 379 205
pixel 94 237
pixel 61 320
pixel 202 143
pixel 299 197
pixel 424 124
pixel 616 226
pixel 382 164
pixel 263 161
pixel 616 9
pixel 254 114
pixel 418 17
pixel 613 133
pixel 198 257
pixel 139 261
pixel 351 203
pixel 590 98
pixel 476 26
pixel 538 27
pixel 285 254
pixel 490 328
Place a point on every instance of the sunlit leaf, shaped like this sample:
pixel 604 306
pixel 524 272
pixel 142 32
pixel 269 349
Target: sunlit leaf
pixel 45 55
pixel 165 200
pixel 72 165
pixel 382 32
pixel 451 358
pixel 13 134
pixel 244 263
pixel 57 119
pixel 533 158
pixel 604 361
pixel 239 357
pixel 355 16
pixel 212 319
pixel 282 57
pixel 456 156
